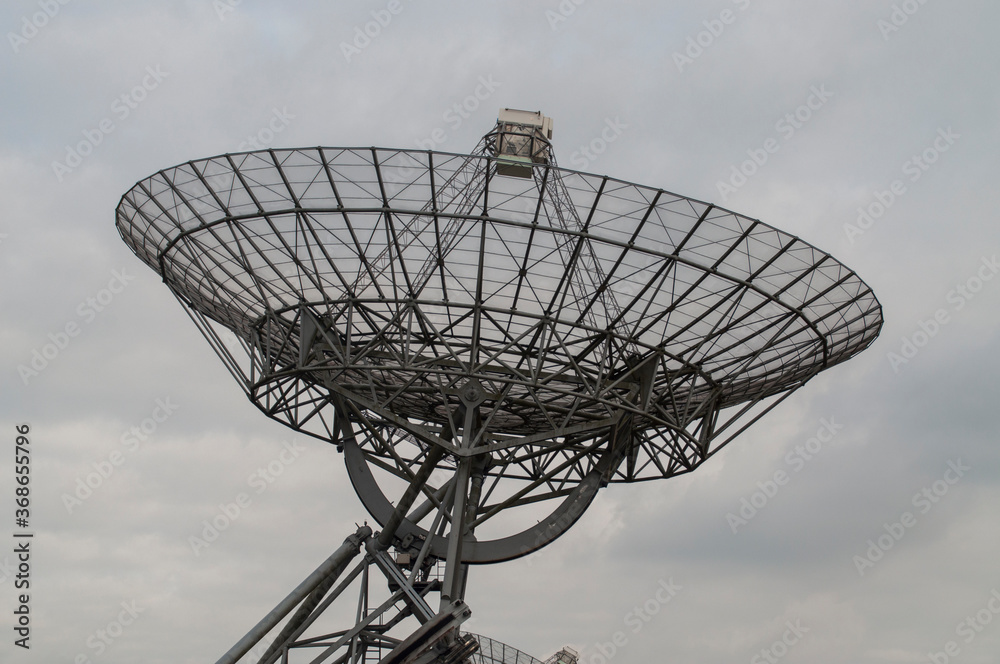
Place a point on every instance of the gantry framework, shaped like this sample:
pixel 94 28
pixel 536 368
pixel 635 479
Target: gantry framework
pixel 489 338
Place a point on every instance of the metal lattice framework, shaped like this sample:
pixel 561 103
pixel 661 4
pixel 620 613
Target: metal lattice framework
pixel 495 652
pixel 489 332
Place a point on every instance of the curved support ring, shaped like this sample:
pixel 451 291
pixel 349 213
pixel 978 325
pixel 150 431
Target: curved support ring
pixel 475 551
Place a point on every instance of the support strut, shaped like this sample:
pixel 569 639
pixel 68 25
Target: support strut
pixel 328 572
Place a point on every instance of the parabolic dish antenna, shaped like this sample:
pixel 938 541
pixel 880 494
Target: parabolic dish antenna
pixel 488 339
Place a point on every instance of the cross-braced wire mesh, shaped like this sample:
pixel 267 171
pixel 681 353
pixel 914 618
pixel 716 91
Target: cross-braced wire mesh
pixel 494 652
pixel 426 269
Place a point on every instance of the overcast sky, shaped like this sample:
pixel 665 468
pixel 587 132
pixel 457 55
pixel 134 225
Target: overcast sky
pixel 890 107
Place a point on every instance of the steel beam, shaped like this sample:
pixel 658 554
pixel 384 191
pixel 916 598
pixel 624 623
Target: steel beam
pixel 331 567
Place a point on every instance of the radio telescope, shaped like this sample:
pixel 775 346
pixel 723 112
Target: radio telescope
pixel 488 339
